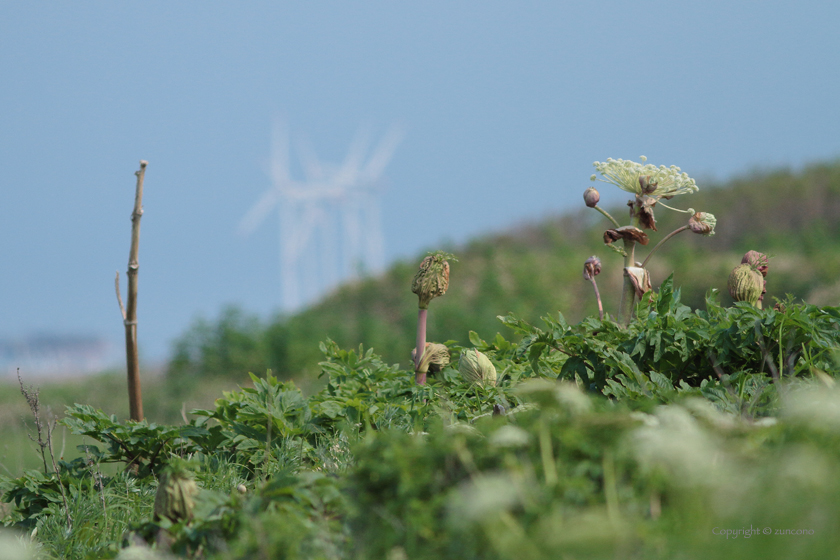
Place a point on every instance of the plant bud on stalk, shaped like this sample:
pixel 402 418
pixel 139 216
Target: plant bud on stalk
pixel 746 284
pixel 591 197
pixel 175 494
pixel 477 368
pixel 761 263
pixel 702 223
pixel 431 281
pixel 591 269
pixel 757 260
pixel 435 358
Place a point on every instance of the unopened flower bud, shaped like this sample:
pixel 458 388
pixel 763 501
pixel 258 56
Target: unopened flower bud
pixel 702 223
pixel 477 368
pixel 746 284
pixel 591 197
pixel 757 260
pixel 432 279
pixel 435 358
pixel 591 268
pixel 175 497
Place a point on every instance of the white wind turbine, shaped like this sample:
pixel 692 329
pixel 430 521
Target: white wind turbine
pixel 330 225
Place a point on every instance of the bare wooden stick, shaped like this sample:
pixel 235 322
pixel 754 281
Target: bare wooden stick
pixel 132 357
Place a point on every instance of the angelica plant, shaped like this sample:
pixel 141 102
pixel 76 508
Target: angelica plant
pixel 650 185
pixel 748 280
pixel 431 281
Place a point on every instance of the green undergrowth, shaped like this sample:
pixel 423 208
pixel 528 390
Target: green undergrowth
pixel 688 434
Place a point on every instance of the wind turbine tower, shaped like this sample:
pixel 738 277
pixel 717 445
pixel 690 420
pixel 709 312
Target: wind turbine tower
pixel 330 222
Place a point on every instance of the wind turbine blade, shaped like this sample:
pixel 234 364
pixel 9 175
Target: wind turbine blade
pixel 347 175
pixel 259 211
pixel 312 167
pixel 280 155
pixel 383 154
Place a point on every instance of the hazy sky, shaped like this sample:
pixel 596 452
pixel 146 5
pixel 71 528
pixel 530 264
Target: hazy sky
pixel 504 105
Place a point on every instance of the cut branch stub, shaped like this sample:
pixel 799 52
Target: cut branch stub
pixel 629 233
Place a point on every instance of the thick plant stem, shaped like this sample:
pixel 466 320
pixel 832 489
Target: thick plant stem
pixel 420 378
pixel 628 293
pixel 607 216
pixel 661 243
pixel 132 357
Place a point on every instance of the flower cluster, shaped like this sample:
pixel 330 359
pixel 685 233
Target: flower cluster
pixel 645 179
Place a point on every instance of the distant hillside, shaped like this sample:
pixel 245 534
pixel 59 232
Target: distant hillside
pixel 535 269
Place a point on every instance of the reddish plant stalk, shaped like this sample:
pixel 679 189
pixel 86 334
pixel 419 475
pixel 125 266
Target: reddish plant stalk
pixel 598 297
pixel 661 243
pixel 420 378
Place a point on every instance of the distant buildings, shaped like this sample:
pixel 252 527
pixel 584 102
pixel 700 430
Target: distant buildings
pixel 55 355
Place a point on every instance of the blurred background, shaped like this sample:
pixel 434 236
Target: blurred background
pixel 303 158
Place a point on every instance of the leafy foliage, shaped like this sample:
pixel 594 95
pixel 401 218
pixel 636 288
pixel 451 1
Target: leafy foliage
pixel 643 441
pixel 142 446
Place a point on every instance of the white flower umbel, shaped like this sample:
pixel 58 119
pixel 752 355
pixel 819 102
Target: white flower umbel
pixel 625 174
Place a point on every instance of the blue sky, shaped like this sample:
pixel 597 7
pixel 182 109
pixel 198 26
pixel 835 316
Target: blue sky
pixel 504 107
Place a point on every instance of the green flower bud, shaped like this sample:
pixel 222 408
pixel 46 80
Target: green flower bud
pixel 175 497
pixel 432 279
pixel 435 358
pixel 746 284
pixel 702 223
pixel 591 197
pixel 477 368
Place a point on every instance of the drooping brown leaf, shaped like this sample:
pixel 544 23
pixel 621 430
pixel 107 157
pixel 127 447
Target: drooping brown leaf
pixel 643 209
pixel 626 232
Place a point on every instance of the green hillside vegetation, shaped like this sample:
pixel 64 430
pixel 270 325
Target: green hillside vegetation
pixel 537 268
